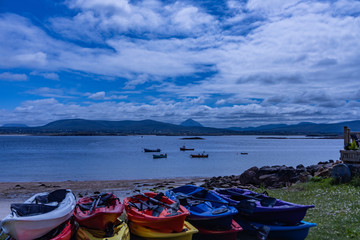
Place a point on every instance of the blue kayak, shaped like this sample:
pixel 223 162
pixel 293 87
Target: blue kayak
pixel 206 208
pixel 278 232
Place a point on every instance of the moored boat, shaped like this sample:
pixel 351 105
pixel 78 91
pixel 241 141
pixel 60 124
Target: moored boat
pixel 201 155
pixel 261 208
pixel 152 150
pixel 183 148
pixel 39 214
pixel 207 209
pixel 98 211
pixel 155 156
pixel 147 233
pixel 155 211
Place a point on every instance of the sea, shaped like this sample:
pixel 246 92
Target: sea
pixel 77 158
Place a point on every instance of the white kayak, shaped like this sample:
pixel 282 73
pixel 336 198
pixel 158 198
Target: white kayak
pixel 39 214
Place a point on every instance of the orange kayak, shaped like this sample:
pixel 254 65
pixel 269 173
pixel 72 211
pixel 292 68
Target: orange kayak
pixel 156 211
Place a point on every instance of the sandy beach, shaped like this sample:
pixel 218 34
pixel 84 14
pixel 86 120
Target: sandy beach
pixel 17 192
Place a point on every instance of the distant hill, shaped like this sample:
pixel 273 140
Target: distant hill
pixel 191 123
pixel 304 128
pixel 14 125
pixel 150 127
pixel 101 127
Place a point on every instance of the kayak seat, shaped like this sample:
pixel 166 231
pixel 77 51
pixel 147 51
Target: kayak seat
pixel 55 196
pixel 29 209
pixel 219 211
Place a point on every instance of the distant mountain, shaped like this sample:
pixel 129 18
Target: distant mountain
pixel 14 125
pixel 260 128
pixel 191 123
pixel 100 127
pixel 304 128
pixel 150 127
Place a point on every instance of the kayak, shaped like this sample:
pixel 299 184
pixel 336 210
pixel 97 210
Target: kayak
pixel 261 208
pixel 98 211
pixel 147 233
pixel 278 232
pixel 206 209
pixel 121 232
pixel 63 232
pixel 39 214
pixel 155 211
pixel 211 234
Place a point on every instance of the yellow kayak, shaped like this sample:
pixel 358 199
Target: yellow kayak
pixel 150 234
pixel 121 232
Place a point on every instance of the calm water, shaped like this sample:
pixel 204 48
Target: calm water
pixel 42 158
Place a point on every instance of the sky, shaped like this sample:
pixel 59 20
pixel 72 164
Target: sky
pixel 233 63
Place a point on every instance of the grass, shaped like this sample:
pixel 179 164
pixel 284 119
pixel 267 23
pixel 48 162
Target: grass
pixel 337 207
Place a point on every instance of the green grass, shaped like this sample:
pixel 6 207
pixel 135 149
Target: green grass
pixel 337 207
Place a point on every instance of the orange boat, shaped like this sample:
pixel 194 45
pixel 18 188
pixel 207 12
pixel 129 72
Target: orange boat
pixel 99 211
pixel 156 211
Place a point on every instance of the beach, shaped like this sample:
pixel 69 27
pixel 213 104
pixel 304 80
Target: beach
pixel 18 192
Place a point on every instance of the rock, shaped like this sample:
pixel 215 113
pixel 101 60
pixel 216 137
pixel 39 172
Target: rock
pixel 341 173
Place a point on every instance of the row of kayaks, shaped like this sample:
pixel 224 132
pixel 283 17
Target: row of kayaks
pixel 183 213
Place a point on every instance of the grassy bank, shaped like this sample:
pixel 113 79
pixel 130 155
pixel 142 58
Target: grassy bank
pixel 337 207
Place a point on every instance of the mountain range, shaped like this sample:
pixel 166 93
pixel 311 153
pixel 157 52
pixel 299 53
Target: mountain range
pixel 186 128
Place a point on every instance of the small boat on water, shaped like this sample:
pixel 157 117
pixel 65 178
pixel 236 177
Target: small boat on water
pixel 261 208
pixel 207 209
pixel 155 156
pixel 200 155
pixel 156 211
pixel 152 150
pixel 98 211
pixel 183 148
pixel 39 215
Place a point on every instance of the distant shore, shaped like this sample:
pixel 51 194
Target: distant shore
pixel 17 192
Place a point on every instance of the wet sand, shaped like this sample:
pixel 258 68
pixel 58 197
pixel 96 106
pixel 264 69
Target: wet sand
pixel 18 192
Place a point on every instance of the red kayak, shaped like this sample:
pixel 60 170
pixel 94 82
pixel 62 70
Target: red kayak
pixel 229 234
pixel 67 232
pixel 99 211
pixel 156 211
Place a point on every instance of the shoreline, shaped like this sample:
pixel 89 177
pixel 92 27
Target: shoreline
pixel 18 192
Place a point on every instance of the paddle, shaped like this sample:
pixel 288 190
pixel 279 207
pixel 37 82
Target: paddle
pixel 156 210
pixel 266 201
pixel 174 207
pixel 95 203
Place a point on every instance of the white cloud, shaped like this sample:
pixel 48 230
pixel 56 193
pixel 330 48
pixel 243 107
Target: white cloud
pixel 13 77
pixel 98 96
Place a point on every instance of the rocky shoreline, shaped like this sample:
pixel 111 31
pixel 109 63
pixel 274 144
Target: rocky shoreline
pixel 272 176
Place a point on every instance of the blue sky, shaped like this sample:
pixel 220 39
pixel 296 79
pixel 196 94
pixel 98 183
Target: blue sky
pixel 221 63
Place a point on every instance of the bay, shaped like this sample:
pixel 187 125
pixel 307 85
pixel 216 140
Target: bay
pixel 61 158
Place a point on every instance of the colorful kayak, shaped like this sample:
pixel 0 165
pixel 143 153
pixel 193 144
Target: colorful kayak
pixel 39 214
pixel 147 233
pixel 278 232
pixel 261 208
pixel 211 234
pixel 63 232
pixel 121 232
pixel 206 209
pixel 155 211
pixel 98 211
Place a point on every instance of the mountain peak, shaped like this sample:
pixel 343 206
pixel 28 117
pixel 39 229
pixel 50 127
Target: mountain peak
pixel 191 123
